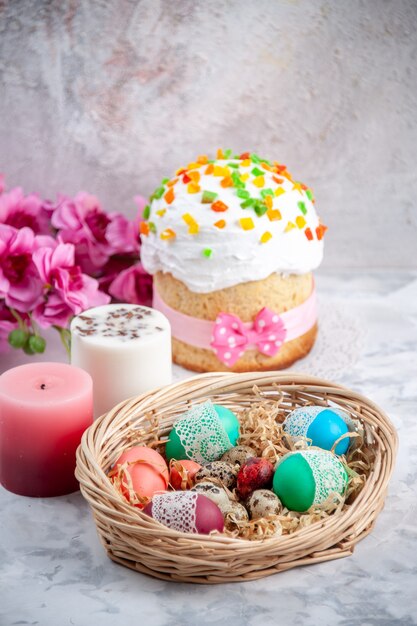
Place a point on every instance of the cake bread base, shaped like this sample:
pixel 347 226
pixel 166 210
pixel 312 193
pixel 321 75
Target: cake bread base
pixel 277 292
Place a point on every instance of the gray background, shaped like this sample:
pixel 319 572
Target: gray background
pixel 111 96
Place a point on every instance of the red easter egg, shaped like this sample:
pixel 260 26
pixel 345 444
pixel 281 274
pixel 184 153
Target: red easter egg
pixel 182 473
pixel 186 511
pixel 146 468
pixel 256 473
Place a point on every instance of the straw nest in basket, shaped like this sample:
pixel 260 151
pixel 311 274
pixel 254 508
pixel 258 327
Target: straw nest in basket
pixel 249 550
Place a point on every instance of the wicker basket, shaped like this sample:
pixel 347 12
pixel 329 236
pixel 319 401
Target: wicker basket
pixel 140 543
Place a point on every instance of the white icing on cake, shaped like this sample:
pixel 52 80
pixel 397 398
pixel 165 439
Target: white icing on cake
pixel 236 255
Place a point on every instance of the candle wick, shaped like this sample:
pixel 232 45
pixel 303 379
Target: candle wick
pixel 43 386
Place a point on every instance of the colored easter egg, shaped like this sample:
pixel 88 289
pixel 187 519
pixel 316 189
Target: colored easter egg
pixel 203 434
pixel 142 468
pixel 308 477
pixel 186 511
pixel 322 425
pixel 256 473
pixel 182 473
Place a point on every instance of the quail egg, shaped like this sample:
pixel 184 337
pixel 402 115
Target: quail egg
pixel 214 492
pixel 224 472
pixel 234 512
pixel 262 503
pixel 238 455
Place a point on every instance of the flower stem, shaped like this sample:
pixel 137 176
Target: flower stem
pixel 65 336
pixel 18 318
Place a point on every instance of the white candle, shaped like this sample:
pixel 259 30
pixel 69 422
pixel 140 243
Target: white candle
pixel 125 348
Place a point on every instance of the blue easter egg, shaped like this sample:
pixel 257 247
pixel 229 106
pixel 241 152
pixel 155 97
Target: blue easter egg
pixel 322 426
pixel 326 428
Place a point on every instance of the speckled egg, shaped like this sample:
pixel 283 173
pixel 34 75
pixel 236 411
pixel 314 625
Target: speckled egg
pixel 255 474
pixel 238 455
pixel 235 512
pixel 212 491
pixel 224 472
pixel 262 503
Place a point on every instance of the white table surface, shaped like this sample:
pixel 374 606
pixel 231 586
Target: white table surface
pixel 53 569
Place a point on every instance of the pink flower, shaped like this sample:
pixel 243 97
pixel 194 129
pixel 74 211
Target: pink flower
pixel 69 290
pixel 7 324
pixel 96 234
pixel 18 210
pixel 133 285
pixel 122 235
pixel 20 284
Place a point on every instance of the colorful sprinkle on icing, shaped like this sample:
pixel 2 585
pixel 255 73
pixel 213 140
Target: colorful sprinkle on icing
pixel 266 237
pixel 274 214
pixel 278 192
pixel 220 224
pixel 257 172
pixel 289 227
pixel 161 212
pixel 219 206
pixel 146 212
pixel 193 227
pixel 247 203
pixel 219 170
pixel 144 229
pixel 158 193
pixel 246 223
pixel 193 166
pixel 193 188
pixel 302 207
pixel 259 181
pixel 208 197
pixel 320 230
pixel 227 182
pixel 300 221
pixel 168 234
pixel 207 252
pixel 308 234
pixel 260 207
pixel 169 196
pixel 195 176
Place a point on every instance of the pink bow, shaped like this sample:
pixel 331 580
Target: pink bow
pixel 231 337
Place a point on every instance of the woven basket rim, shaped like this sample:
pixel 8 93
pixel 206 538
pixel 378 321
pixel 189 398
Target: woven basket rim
pixel 110 508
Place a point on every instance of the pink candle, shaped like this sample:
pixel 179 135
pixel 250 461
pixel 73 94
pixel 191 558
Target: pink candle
pixel 44 410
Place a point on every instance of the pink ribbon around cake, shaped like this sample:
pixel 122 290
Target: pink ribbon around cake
pixel 229 337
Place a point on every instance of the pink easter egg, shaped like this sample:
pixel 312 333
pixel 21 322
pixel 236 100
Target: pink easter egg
pixel 147 469
pixel 186 511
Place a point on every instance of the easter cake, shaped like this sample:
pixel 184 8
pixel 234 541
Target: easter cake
pixel 232 243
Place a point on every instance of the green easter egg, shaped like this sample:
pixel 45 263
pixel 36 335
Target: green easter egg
pixel 203 434
pixel 229 421
pixel 308 477
pixel 174 448
pixel 294 482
